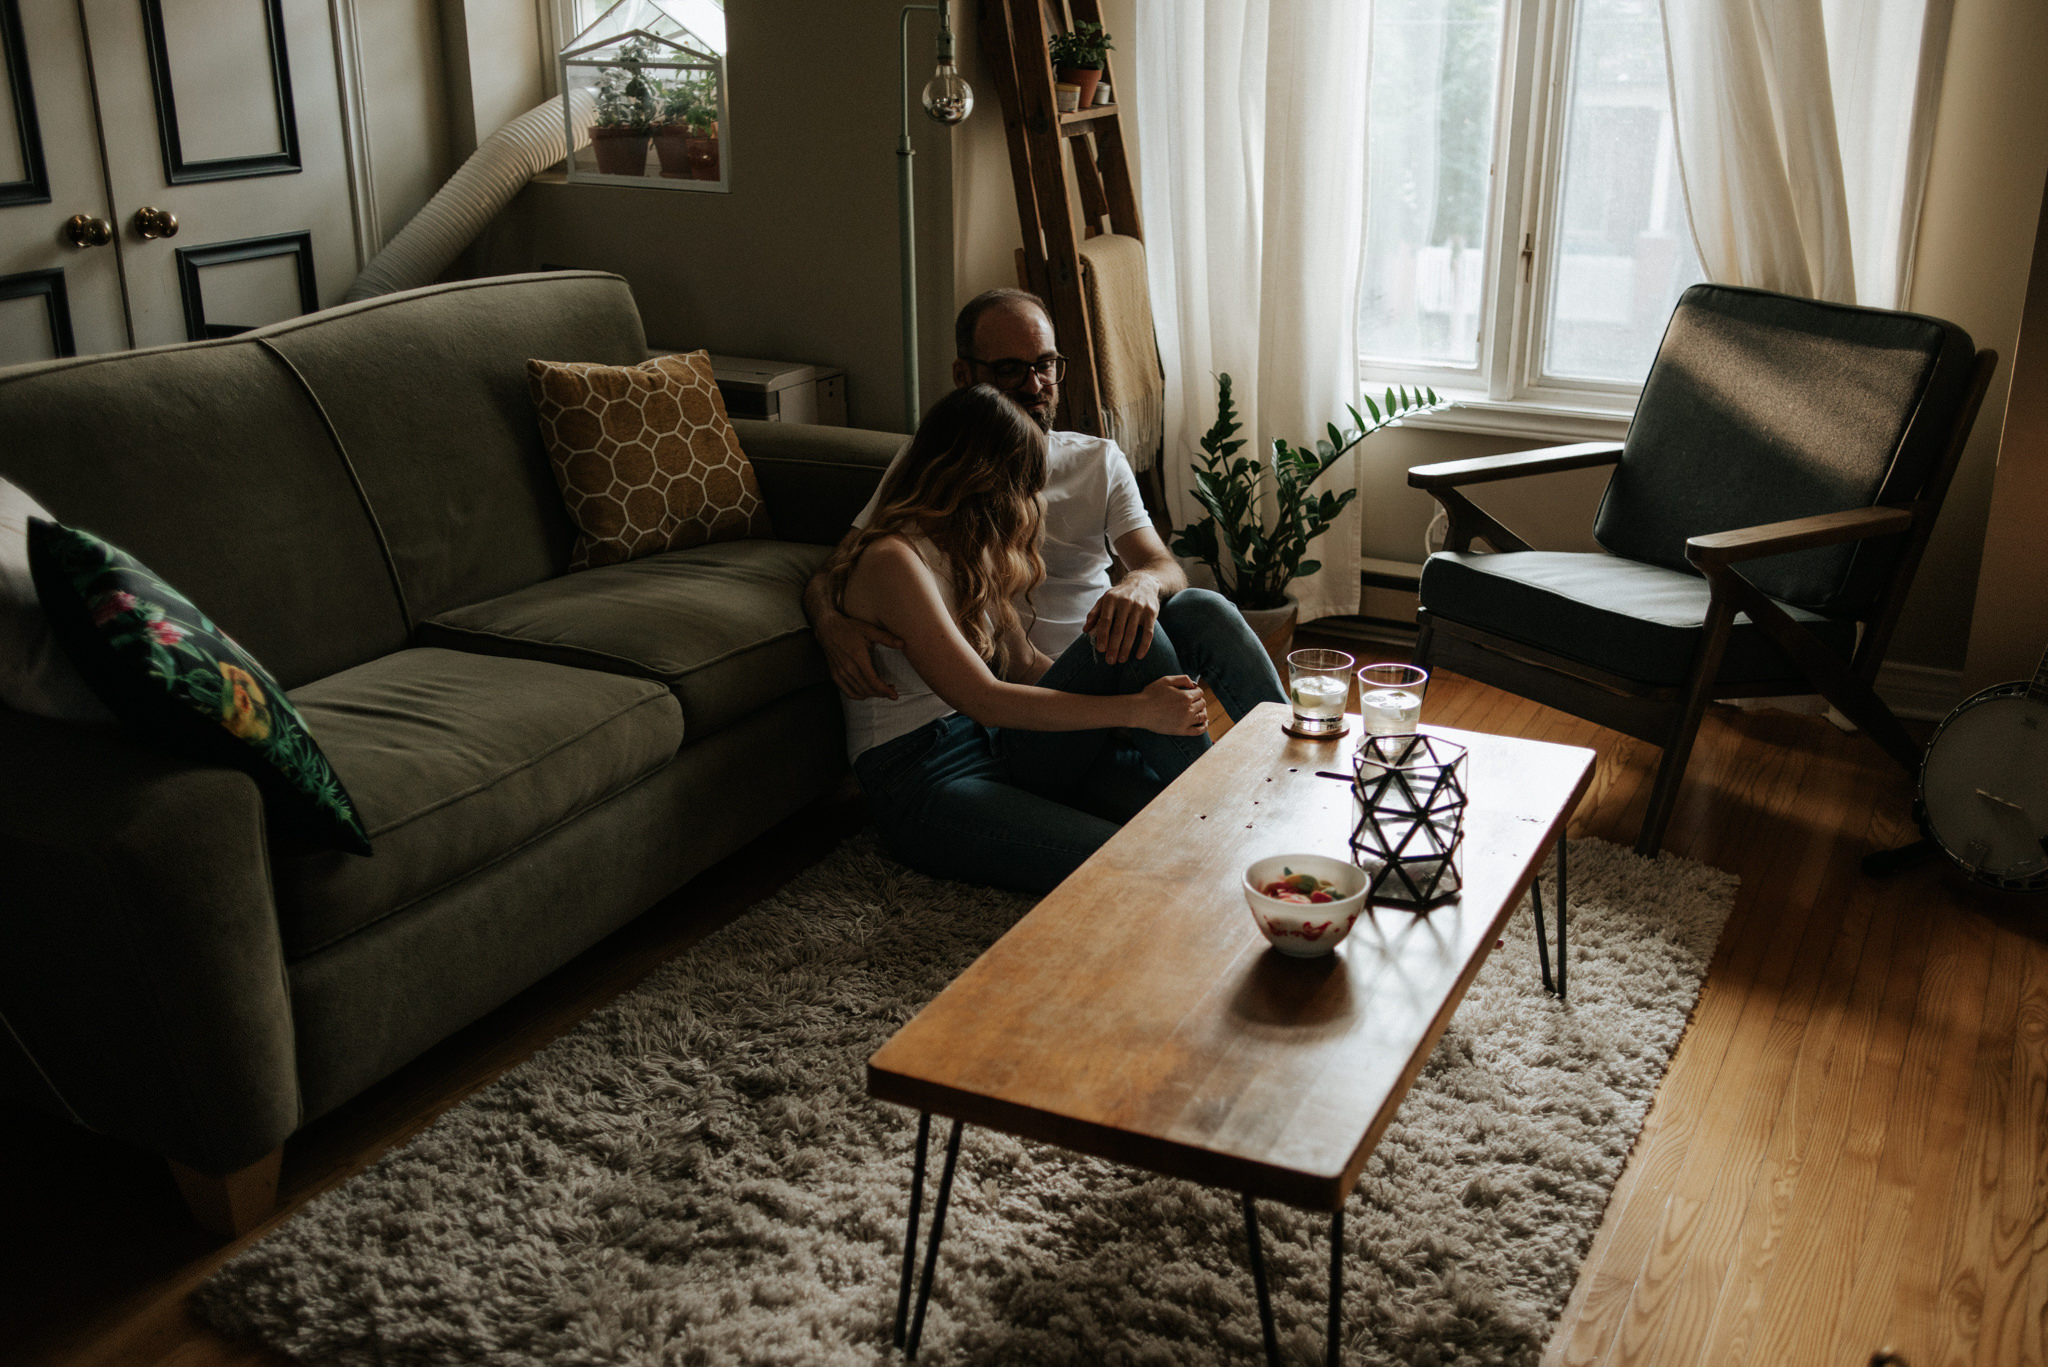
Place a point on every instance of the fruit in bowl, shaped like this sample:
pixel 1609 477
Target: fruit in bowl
pixel 1305 904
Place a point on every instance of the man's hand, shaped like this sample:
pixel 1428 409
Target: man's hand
pixel 1121 621
pixel 849 653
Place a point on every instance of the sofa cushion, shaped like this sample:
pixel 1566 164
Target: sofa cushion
pixel 177 680
pixel 1640 621
pixel 208 461
pixel 427 392
pixel 456 760
pixel 722 625
pixel 645 457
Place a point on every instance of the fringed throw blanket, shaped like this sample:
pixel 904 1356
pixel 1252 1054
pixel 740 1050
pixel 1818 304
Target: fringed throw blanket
pixel 1126 352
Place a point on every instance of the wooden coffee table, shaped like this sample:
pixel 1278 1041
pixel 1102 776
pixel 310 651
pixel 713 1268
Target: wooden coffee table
pixel 1137 1014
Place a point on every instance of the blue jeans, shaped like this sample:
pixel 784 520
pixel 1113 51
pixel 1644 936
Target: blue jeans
pixel 1207 634
pixel 1199 633
pixel 946 803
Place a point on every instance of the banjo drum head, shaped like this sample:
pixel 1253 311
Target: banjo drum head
pixel 1984 788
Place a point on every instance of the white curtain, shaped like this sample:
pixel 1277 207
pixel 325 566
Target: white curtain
pixel 1251 117
pixel 1803 133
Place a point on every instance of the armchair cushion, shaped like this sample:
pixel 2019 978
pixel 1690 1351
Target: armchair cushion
pixel 1640 621
pixel 1762 408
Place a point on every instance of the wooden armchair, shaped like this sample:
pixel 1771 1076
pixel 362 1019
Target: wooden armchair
pixel 1766 515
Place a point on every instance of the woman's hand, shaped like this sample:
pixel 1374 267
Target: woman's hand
pixel 1173 706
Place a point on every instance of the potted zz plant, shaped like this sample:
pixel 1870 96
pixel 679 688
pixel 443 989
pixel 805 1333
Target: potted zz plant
pixel 1265 555
pixel 628 100
pixel 1077 57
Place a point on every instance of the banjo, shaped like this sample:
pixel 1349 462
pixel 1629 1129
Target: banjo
pixel 1983 794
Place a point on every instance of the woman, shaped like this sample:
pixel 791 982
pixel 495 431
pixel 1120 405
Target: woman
pixel 952 545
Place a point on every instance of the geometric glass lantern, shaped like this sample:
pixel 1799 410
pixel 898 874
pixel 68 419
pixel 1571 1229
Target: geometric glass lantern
pixel 1410 829
pixel 646 83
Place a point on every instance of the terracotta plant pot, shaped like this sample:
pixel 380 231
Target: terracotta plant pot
pixel 620 151
pixel 701 150
pixel 1085 77
pixel 1275 629
pixel 671 144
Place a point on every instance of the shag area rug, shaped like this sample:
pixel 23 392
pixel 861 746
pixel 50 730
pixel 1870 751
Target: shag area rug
pixel 694 1175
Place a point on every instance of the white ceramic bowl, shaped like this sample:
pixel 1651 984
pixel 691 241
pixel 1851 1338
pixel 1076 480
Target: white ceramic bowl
pixel 1305 930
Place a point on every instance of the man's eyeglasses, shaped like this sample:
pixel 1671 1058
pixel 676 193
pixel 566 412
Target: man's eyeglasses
pixel 1010 374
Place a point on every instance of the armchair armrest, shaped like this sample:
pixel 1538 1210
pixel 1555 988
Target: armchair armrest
pixel 1484 469
pixel 1798 534
pixel 142 975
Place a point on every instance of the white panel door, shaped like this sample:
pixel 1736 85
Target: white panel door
pixel 226 115
pixel 55 298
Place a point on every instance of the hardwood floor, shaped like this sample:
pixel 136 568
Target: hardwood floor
pixel 1850 1150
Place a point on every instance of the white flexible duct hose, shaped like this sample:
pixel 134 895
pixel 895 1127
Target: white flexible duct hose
pixel 473 196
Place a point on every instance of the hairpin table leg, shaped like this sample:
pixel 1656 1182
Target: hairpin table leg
pixel 1542 946
pixel 931 1252
pixel 1561 905
pixel 924 1134
pixel 1334 1353
pixel 1258 1259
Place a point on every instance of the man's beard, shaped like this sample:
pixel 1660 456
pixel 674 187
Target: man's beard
pixel 1042 410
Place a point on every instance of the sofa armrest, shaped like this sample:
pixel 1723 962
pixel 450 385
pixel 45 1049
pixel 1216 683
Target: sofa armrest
pixel 814 479
pixel 142 977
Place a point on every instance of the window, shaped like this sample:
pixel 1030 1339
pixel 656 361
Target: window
pixel 1526 236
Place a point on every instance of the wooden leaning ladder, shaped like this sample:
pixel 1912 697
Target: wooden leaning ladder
pixel 1046 149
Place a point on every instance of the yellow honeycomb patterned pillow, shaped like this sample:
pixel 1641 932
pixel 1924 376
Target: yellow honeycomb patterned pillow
pixel 645 457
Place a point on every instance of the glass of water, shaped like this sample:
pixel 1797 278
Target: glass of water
pixel 1390 698
pixel 1318 684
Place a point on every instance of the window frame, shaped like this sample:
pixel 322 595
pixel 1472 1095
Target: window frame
pixel 1505 391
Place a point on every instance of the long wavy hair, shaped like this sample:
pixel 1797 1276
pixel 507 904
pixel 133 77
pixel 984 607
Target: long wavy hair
pixel 971 482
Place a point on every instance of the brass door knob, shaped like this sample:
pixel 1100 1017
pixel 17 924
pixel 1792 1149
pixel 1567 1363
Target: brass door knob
pixel 83 230
pixel 153 223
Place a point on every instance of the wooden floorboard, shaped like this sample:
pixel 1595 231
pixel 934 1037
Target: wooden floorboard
pixel 1850 1150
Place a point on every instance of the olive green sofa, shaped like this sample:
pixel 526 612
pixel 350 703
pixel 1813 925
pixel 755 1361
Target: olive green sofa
pixel 360 497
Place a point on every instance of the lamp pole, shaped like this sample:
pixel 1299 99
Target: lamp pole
pixel 906 211
pixel 948 101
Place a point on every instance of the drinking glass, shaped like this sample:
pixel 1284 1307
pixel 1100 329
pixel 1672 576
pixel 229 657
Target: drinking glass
pixel 1318 684
pixel 1390 698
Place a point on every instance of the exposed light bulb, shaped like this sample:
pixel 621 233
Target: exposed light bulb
pixel 947 98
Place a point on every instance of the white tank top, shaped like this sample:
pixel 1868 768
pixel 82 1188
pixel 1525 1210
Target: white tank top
pixel 877 721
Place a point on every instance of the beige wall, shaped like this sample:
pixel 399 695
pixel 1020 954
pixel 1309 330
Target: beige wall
pixel 2010 626
pixel 498 55
pixel 405 104
pixel 800 261
pixel 1976 248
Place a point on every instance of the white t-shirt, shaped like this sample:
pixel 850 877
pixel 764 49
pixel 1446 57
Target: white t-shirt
pixel 1091 500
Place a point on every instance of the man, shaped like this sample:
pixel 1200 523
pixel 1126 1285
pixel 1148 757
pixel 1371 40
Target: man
pixel 1100 634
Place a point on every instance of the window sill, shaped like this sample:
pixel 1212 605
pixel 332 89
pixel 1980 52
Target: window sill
pixel 1546 422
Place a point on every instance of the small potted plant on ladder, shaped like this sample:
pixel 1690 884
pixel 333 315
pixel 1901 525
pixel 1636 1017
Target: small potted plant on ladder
pixel 1077 57
pixel 1253 557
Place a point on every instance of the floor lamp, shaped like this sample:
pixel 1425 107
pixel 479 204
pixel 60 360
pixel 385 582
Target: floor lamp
pixel 947 100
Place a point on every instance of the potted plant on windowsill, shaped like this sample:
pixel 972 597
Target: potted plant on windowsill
pixel 1077 57
pixel 628 101
pixel 1265 555
pixel 687 138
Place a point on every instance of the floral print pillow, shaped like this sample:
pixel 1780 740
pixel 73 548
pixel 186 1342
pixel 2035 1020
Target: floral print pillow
pixel 173 676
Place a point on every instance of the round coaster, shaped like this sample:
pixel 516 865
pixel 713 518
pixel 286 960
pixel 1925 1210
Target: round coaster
pixel 1288 727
